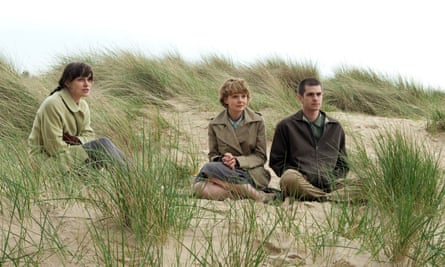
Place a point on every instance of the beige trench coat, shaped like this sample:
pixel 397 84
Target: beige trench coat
pixel 247 143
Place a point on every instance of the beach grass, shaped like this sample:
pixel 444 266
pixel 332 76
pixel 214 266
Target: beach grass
pixel 142 212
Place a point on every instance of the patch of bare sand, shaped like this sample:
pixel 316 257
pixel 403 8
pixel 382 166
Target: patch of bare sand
pixel 56 234
pixel 222 229
pixel 366 129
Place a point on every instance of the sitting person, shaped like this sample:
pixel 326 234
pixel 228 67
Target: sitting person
pixel 61 128
pixel 308 151
pixel 237 150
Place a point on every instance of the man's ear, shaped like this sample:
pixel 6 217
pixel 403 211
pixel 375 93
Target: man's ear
pixel 300 97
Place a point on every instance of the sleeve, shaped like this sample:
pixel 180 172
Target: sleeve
pixel 278 151
pixel 52 130
pixel 52 136
pixel 342 167
pixel 213 154
pixel 259 157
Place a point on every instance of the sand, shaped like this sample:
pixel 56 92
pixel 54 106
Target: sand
pixel 219 223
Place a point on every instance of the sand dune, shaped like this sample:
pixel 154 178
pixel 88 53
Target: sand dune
pixel 221 225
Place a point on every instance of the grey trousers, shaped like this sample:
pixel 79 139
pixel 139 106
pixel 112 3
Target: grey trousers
pixel 102 151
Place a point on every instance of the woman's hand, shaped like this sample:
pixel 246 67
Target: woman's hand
pixel 229 160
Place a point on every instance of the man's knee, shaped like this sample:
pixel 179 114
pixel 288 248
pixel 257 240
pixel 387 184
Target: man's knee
pixel 289 182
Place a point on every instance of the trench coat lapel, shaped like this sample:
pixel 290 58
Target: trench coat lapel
pixel 227 133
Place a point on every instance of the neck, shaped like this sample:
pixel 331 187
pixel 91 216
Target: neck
pixel 234 115
pixel 311 115
pixel 76 99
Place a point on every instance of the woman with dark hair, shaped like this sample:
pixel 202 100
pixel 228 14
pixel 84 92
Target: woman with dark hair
pixel 61 127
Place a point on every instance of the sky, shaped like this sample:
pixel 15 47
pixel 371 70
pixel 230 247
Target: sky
pixel 392 37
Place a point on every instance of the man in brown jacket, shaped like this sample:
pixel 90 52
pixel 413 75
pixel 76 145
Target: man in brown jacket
pixel 308 149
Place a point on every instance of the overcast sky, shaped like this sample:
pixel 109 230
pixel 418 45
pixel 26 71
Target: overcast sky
pixel 391 37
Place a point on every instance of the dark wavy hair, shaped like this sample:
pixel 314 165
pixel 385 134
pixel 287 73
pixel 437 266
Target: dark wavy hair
pixel 72 71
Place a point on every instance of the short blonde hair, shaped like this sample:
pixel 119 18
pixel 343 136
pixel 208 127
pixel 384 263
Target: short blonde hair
pixel 233 86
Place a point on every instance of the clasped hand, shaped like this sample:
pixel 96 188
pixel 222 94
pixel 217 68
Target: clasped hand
pixel 71 139
pixel 229 160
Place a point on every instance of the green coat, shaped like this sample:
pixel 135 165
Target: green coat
pixel 247 143
pixel 59 114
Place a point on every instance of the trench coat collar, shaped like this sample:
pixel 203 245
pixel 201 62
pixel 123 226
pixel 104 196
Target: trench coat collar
pixel 228 135
pixel 69 101
pixel 223 117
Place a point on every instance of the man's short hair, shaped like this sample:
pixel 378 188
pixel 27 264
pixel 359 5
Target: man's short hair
pixel 307 82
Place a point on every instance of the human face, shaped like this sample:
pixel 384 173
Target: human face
pixel 312 98
pixel 236 103
pixel 80 87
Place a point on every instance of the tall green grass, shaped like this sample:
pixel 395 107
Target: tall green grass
pixel 145 205
pixel 405 195
pixel 239 239
pixel 436 121
pixel 147 193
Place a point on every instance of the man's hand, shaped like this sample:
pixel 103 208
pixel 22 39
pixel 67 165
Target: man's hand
pixel 71 139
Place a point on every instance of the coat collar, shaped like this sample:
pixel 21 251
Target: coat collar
pixel 69 101
pixel 249 116
pixel 227 133
pixel 300 116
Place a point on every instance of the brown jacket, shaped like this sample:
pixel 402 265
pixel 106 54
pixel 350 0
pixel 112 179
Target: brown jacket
pixel 294 147
pixel 247 143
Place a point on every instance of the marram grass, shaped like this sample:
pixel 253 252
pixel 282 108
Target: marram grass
pixel 405 193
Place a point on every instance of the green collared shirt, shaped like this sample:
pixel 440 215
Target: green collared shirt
pixel 317 126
